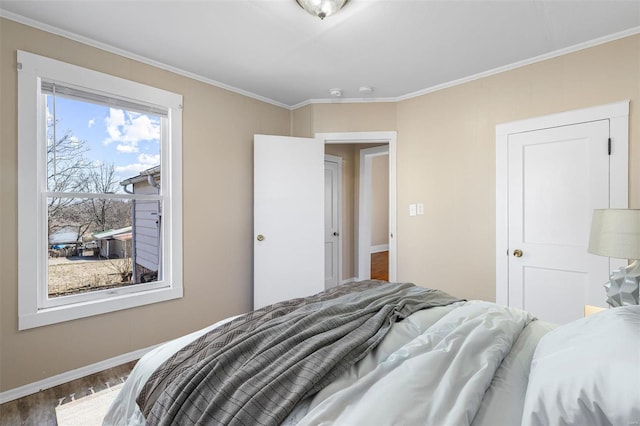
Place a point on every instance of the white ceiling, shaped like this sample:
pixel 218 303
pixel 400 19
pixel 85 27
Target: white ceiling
pixel 275 51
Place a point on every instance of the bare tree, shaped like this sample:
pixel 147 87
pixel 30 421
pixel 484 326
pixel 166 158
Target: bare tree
pixel 67 170
pixel 102 180
pixel 107 213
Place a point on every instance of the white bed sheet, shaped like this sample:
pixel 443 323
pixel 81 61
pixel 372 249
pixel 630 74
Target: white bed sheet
pixel 439 375
pixel 502 403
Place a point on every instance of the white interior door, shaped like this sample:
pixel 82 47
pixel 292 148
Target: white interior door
pixel 288 218
pixel 556 177
pixel 331 222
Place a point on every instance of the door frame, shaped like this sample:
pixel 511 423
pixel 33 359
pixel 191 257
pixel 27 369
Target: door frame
pixel 338 161
pixel 389 138
pixel 365 195
pixel 618 115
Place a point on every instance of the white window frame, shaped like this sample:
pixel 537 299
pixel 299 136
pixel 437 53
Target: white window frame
pixel 34 307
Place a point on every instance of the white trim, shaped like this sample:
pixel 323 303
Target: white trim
pixel 379 248
pixel 509 67
pixel 524 63
pixel 618 115
pixel 108 48
pixel 365 193
pixel 338 160
pixel 343 101
pixel 34 307
pixel 130 55
pixel 583 115
pixel 68 376
pixel 373 137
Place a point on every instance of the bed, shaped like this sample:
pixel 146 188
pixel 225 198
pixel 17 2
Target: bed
pixel 380 353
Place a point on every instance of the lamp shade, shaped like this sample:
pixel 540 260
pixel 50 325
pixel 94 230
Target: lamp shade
pixel 322 8
pixel 616 233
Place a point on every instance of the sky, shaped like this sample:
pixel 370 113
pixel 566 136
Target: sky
pixel 128 140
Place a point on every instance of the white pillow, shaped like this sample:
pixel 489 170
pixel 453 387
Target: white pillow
pixel 587 372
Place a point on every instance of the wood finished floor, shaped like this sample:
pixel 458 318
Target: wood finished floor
pixel 39 409
pixel 380 266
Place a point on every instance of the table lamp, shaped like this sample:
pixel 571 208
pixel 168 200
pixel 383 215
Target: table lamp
pixel 616 233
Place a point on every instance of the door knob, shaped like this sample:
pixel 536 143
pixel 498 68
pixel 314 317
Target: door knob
pixel 260 237
pixel 335 234
pixel 517 253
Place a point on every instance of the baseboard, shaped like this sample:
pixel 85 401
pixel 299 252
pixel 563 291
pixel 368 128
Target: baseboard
pixel 68 376
pixel 379 248
pixel 348 280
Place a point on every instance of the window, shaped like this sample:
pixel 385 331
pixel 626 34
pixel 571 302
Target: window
pixel 99 192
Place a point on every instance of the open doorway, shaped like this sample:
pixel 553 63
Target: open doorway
pixel 358 240
pixel 374 210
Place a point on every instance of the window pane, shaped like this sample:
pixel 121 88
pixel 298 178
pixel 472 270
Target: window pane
pixel 95 244
pixel 97 148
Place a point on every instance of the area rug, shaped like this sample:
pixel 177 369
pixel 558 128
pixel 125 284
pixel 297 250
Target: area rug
pixel 87 411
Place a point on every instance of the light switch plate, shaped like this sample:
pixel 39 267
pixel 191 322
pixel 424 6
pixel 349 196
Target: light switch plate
pixel 412 209
pixel 420 208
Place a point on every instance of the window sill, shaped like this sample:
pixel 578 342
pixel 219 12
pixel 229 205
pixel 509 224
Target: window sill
pixel 69 312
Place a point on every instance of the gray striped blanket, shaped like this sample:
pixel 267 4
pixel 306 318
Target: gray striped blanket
pixel 256 368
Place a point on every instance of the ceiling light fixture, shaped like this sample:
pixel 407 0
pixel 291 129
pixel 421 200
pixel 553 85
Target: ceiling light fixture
pixel 322 8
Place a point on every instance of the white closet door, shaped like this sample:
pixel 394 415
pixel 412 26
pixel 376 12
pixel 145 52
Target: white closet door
pixel 557 177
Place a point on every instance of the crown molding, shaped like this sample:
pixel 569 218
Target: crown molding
pixel 342 101
pixel 523 63
pixel 130 55
pixel 121 52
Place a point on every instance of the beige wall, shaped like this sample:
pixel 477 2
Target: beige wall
pixel 301 122
pixel 218 128
pixel 364 117
pixel 446 154
pixel 380 200
pixel 446 157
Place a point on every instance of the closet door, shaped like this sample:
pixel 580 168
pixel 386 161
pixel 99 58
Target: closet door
pixel 557 177
pixel 552 171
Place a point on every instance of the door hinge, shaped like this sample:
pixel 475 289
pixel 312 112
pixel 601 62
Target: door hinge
pixel 609 146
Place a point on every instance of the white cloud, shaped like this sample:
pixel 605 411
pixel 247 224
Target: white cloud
pixel 153 160
pixel 127 148
pixel 145 161
pixel 75 142
pixel 129 128
pixel 131 170
pixel 91 122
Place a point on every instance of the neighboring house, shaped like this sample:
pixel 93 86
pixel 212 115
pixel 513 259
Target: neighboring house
pixel 115 243
pixel 146 220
